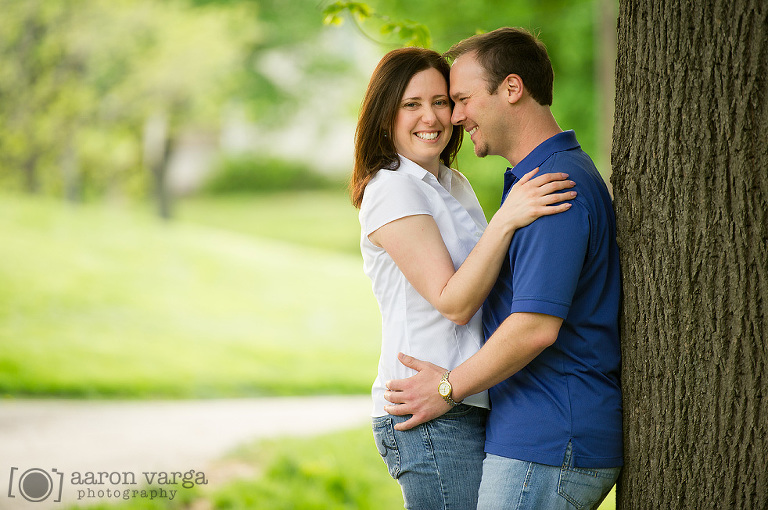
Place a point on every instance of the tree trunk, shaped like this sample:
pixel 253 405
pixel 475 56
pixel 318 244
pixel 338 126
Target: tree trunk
pixel 69 164
pixel 156 149
pixel 690 178
pixel 31 181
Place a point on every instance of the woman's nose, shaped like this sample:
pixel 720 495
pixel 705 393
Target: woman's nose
pixel 428 115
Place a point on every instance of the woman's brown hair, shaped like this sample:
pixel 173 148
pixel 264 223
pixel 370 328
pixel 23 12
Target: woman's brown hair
pixel 374 139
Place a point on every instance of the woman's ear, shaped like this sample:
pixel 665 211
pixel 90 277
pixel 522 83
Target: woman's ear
pixel 513 88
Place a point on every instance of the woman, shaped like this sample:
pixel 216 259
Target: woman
pixel 432 259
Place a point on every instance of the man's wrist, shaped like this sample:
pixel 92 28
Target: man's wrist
pixel 445 389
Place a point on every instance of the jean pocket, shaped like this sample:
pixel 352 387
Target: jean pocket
pixel 585 488
pixel 384 436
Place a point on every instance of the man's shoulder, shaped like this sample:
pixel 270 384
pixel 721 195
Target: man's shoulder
pixel 573 222
pixel 573 160
pixel 580 169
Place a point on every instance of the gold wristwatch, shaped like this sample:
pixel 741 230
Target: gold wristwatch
pixel 446 390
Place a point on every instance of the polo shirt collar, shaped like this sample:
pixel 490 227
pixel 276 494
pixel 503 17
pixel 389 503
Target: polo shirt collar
pixel 560 142
pixel 444 174
pixel 472 222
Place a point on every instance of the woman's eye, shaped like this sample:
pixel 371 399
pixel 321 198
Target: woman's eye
pixel 441 102
pixel 410 105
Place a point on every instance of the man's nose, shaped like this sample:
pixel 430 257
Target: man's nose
pixel 457 117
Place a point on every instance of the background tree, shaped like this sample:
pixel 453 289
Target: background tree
pixel 690 178
pixel 79 79
pixel 87 85
pixel 34 80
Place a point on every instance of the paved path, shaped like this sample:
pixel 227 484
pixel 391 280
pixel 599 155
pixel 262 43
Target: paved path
pixel 137 437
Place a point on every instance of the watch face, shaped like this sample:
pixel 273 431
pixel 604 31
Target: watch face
pixel 444 389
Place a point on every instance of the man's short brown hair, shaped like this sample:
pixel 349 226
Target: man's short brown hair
pixel 506 51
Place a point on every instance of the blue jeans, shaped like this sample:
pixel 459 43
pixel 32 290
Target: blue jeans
pixel 511 484
pixel 439 463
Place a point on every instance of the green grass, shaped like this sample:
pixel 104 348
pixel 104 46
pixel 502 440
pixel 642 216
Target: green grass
pixel 320 219
pixel 336 471
pixel 98 301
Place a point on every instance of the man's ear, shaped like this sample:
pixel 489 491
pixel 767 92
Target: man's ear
pixel 513 88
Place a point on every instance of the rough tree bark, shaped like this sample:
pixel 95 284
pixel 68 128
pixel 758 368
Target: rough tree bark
pixel 690 179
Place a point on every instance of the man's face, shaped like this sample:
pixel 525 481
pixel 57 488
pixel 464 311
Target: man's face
pixel 478 112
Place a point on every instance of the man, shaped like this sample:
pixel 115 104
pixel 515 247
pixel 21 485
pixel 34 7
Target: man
pixel 551 357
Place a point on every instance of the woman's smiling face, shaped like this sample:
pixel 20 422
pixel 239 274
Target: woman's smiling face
pixel 423 124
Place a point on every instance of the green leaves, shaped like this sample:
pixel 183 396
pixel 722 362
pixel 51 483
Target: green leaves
pixel 333 13
pixel 410 33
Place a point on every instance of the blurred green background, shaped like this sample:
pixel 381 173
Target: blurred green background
pixel 173 213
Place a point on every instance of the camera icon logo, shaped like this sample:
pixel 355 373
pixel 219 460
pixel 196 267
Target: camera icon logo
pixel 36 484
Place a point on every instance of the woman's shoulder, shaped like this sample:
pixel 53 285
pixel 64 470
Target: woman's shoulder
pixel 394 181
pixel 394 190
pixel 459 176
pixel 459 180
pixel 387 175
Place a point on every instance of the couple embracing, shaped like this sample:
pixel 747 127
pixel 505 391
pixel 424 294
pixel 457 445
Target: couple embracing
pixel 498 381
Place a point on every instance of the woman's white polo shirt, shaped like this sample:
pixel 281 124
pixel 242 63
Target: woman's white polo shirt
pixel 409 323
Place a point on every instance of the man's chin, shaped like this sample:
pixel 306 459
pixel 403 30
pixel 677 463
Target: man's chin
pixel 481 152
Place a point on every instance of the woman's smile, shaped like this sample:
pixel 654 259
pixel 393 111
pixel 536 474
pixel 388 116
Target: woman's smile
pixel 423 124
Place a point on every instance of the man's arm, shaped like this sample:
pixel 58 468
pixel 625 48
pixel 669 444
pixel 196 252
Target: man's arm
pixel 516 342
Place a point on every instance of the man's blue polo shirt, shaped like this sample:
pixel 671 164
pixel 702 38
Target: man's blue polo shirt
pixel 565 265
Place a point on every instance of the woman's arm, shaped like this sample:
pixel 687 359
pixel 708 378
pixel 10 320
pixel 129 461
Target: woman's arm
pixel 416 246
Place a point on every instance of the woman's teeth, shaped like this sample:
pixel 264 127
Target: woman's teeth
pixel 427 136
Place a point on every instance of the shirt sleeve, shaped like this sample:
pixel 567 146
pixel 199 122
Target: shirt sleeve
pixel 391 197
pixel 547 258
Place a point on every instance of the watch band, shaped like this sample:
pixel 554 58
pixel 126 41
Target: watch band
pixel 447 395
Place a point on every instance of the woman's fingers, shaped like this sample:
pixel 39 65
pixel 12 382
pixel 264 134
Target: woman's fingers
pixel 553 186
pixel 554 209
pixel 554 198
pixel 546 178
pixel 527 177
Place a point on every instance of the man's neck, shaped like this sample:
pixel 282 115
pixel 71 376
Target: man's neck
pixel 539 127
